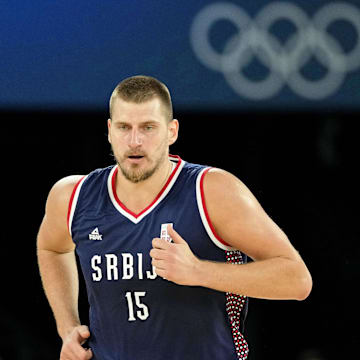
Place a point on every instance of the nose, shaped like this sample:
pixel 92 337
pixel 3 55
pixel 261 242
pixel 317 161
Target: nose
pixel 135 138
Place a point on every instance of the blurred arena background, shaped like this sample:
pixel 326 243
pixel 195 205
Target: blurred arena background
pixel 268 90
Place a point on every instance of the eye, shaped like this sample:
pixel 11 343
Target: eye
pixel 123 127
pixel 149 127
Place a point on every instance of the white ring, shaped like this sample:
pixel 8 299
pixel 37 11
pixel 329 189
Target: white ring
pixel 254 40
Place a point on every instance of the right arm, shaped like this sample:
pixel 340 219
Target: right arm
pixel 58 270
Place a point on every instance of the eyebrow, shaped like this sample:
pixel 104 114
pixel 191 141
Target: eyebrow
pixel 141 123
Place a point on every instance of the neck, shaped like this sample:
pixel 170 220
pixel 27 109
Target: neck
pixel 136 196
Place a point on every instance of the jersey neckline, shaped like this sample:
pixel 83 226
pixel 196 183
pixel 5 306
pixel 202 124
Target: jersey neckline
pixel 132 216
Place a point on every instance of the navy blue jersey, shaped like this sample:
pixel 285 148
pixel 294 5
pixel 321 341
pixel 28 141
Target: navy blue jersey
pixel 135 314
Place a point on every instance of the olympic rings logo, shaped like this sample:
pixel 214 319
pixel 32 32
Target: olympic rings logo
pixel 283 60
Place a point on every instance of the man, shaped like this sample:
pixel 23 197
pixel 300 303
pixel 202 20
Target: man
pixel 161 244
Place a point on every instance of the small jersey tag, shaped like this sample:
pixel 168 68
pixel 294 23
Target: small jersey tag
pixel 164 233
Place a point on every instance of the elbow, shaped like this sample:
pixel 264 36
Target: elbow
pixel 304 286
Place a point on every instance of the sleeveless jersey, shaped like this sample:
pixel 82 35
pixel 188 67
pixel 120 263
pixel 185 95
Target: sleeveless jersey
pixel 135 314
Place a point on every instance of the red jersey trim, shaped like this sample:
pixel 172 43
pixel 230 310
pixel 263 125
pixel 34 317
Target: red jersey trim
pixel 159 195
pixel 70 207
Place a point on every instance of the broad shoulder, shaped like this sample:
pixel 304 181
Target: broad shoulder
pixel 240 220
pixel 58 200
pixel 220 186
pixel 62 190
pixel 233 209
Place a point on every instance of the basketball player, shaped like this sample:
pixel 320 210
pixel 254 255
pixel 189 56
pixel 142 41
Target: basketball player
pixel 162 245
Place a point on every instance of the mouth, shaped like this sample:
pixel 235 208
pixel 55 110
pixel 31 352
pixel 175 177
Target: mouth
pixel 135 159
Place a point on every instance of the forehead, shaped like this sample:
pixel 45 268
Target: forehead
pixel 151 110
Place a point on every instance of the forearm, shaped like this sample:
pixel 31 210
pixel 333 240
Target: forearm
pixel 276 278
pixel 60 281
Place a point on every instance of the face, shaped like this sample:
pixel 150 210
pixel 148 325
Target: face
pixel 140 136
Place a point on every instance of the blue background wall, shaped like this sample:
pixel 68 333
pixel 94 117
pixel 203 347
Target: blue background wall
pixel 71 54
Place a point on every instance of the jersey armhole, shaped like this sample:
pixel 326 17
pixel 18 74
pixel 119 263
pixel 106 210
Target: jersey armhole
pixel 73 201
pixel 209 227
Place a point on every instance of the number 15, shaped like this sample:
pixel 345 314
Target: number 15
pixel 143 313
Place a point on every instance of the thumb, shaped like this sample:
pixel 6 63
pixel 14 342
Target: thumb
pixel 175 236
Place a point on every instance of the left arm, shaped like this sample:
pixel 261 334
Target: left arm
pixel 278 272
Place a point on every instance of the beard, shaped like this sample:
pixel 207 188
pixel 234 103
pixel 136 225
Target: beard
pixel 135 173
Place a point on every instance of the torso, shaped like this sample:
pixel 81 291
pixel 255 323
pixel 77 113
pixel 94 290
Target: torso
pixel 133 312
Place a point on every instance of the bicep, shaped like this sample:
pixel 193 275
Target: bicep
pixel 241 221
pixel 53 237
pixel 53 233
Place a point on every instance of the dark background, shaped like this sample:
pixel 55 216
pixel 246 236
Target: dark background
pixel 301 167
pixel 59 62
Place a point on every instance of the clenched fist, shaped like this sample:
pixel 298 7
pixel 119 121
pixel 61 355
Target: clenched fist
pixel 72 349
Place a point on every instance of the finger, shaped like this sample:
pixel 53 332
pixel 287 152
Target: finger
pixel 161 273
pixel 73 350
pixel 81 334
pixel 175 236
pixel 158 243
pixel 157 254
pixel 158 264
pixel 84 331
pixel 89 354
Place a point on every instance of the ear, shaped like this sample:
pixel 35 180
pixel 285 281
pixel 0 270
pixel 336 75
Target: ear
pixel 109 127
pixel 173 131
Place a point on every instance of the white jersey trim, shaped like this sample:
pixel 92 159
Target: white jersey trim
pixel 137 219
pixel 202 209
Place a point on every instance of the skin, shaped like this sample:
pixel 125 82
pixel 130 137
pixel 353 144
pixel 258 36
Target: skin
pixel 278 271
pixel 141 129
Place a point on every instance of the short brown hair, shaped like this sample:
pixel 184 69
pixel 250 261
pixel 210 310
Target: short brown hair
pixel 141 88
